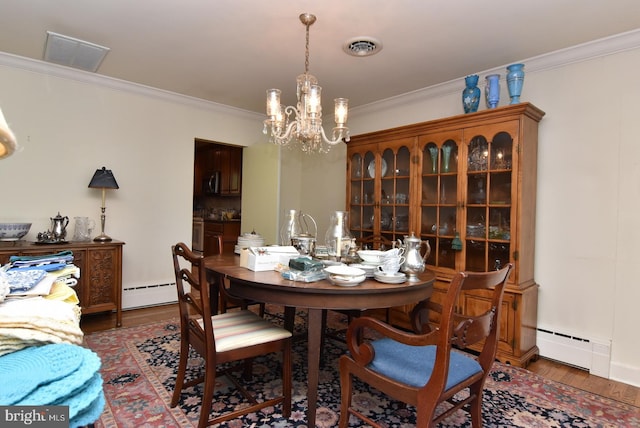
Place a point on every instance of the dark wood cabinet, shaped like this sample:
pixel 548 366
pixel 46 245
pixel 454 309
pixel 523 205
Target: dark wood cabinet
pixel 227 160
pixel 99 288
pixel 230 230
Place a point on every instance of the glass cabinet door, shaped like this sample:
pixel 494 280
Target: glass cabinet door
pixel 488 214
pixel 438 192
pixel 379 189
pixel 362 173
pixel 394 192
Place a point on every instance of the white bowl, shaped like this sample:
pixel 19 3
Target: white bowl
pixel 371 256
pixel 344 271
pixel 13 231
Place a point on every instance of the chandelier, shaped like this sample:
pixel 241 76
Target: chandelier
pixel 303 123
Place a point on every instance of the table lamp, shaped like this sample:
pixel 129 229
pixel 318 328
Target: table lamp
pixel 103 179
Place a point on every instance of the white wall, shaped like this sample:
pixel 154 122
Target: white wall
pixel 588 185
pixel 67 128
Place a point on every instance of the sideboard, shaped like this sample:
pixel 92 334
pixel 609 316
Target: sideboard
pixel 99 288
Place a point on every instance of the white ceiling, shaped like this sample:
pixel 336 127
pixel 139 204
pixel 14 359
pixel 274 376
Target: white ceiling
pixel 232 51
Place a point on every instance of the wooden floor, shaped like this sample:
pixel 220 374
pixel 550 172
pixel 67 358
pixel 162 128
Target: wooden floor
pixel 549 369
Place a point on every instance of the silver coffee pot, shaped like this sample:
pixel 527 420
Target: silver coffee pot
pixel 415 262
pixel 59 227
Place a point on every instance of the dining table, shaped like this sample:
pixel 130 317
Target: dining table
pixel 318 296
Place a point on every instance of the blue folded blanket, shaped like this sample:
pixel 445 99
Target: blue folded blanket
pixel 23 280
pixel 62 257
pixel 54 374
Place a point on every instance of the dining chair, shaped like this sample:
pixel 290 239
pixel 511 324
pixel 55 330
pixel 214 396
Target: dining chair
pixel 223 300
pixel 375 242
pixel 236 336
pixel 429 367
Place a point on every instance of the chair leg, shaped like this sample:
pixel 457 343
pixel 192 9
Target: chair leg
pixel 182 369
pixel 207 396
pixel 345 392
pixel 475 408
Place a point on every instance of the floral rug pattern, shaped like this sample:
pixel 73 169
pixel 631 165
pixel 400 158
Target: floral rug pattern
pixel 139 366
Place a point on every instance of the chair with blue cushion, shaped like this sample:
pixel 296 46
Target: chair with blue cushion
pixel 429 367
pixel 235 336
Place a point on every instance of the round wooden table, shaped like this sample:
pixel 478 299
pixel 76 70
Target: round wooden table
pixel 270 287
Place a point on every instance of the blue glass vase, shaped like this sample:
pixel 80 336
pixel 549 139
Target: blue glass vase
pixel 471 94
pixel 515 80
pixel 492 90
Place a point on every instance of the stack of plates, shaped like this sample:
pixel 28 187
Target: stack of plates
pixel 344 275
pixel 369 269
pixel 247 240
pixel 396 278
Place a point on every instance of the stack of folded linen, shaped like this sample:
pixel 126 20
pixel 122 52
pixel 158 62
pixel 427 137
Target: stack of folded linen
pixel 36 306
pixel 37 321
pixel 34 275
pixel 54 375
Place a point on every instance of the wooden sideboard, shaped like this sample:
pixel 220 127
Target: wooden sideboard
pixel 99 288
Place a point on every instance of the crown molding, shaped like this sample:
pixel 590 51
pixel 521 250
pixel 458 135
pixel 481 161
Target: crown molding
pixel 583 52
pixel 579 53
pixel 69 73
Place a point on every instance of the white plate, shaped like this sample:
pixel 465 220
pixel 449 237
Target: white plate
pixel 372 168
pixel 344 271
pixel 346 281
pixel 396 278
pixel 368 268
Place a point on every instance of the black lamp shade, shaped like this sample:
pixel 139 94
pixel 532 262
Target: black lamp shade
pixel 103 179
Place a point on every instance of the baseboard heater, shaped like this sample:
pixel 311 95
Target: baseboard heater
pixel 589 354
pixel 149 295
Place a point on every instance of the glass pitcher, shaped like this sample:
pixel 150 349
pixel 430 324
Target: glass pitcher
pixel 338 238
pixel 83 228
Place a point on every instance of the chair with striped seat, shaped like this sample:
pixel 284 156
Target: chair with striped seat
pixel 235 336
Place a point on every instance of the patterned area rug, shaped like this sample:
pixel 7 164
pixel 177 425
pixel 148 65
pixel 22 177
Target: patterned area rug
pixel 139 367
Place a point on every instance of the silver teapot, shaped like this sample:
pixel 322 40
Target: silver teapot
pixel 415 262
pixel 59 227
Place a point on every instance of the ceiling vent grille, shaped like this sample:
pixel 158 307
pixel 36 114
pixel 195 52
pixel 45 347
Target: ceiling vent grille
pixel 65 50
pixel 362 46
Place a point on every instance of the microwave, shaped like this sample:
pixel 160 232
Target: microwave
pixel 211 184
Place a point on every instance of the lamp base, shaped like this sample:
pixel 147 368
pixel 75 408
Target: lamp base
pixel 102 238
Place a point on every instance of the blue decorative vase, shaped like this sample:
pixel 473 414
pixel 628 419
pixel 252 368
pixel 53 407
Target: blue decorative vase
pixel 515 80
pixel 471 94
pixel 492 90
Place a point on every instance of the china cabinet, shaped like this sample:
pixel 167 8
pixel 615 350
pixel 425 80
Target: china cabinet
pixel 99 287
pixel 467 185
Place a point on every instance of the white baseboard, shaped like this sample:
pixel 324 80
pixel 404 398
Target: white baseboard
pixel 149 295
pixel 589 354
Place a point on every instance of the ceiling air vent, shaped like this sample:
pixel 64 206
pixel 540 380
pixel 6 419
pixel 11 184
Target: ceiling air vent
pixel 362 46
pixel 72 52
